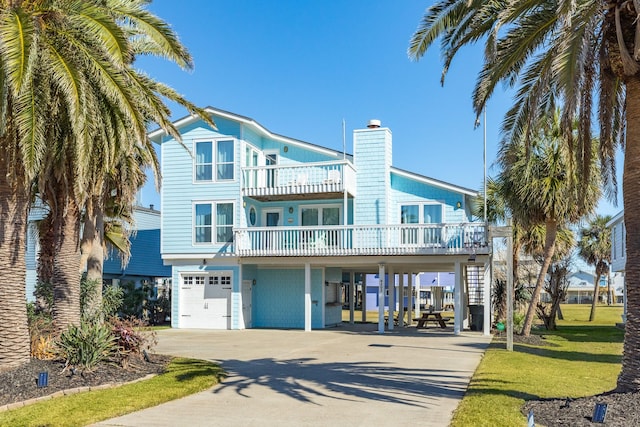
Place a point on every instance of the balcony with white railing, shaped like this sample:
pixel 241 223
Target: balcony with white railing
pixel 403 239
pixel 325 180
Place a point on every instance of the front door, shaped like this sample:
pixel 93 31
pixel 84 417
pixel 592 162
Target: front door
pixel 272 218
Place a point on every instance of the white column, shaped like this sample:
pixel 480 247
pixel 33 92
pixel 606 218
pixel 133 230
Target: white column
pixel 412 300
pixel 380 298
pixel 364 297
pixel 457 299
pixel 486 292
pixel 352 297
pixel 401 299
pixel 392 297
pixel 307 296
pixel 323 302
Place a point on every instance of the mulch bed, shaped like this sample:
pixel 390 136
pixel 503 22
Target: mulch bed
pixel 21 383
pixel 623 410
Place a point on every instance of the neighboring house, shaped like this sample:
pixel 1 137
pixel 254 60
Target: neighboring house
pixel 431 289
pixel 580 289
pixel 619 252
pixel 145 263
pixel 260 229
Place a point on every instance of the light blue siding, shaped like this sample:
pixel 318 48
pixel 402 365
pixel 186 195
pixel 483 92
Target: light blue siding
pixel 179 193
pixel 372 156
pixel 408 191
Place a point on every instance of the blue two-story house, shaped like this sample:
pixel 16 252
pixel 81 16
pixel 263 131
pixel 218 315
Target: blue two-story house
pixel 262 230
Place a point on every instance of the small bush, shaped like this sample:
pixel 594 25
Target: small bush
pixel 518 322
pixel 132 337
pixel 87 345
pixel 112 299
pixel 43 347
pixel 41 333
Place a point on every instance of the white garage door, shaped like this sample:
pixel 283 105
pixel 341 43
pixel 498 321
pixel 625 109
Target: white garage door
pixel 205 300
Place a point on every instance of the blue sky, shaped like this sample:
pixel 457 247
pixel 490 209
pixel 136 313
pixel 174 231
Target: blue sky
pixel 301 67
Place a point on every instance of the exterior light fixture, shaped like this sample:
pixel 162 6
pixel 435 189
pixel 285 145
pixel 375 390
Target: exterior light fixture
pixel 458 205
pixel 290 209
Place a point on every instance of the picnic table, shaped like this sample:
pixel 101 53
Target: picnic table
pixel 431 316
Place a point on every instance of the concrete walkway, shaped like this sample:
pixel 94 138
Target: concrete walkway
pixel 347 376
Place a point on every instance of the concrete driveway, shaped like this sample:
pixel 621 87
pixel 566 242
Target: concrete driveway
pixel 349 376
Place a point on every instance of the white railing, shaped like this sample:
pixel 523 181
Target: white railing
pixel 304 178
pixel 336 240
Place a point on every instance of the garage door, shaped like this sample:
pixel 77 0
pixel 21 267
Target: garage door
pixel 205 300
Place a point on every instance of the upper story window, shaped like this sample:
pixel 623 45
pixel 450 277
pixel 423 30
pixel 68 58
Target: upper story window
pixel 429 214
pixel 218 152
pixel 204 226
pixel 432 214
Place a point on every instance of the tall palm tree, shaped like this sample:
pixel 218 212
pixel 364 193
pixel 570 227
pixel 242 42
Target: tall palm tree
pixel 594 247
pixel 583 55
pixel 71 56
pixel 541 190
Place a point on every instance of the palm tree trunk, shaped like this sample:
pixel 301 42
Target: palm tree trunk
pixel 596 294
pixel 14 208
pixel 66 277
pixel 549 248
pixel 92 250
pixel 629 378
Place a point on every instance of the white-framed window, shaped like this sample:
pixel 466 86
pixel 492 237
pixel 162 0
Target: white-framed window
pixel 311 215
pixel 314 215
pixel 421 213
pixel 210 153
pixel 212 228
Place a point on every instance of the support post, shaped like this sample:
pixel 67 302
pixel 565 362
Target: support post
pixel 380 299
pixel 486 292
pixel 392 297
pixel 352 297
pixel 457 299
pixel 401 309
pixel 412 299
pixel 509 286
pixel 307 296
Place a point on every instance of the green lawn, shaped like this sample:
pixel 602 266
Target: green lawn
pixel 183 377
pixel 582 358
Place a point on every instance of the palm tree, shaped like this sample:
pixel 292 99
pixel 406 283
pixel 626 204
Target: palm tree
pixel 594 247
pixel 74 58
pixel 583 55
pixel 540 188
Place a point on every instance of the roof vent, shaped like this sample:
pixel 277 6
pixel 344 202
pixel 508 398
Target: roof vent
pixel 373 124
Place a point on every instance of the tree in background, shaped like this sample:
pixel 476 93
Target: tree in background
pixel 540 187
pixel 594 247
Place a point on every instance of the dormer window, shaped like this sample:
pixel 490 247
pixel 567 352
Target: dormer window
pixel 220 152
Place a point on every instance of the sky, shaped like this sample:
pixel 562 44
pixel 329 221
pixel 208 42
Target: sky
pixel 301 67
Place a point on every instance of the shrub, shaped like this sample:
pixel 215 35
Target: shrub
pixel 132 337
pixel 41 333
pixel 112 298
pixel 86 345
pixel 44 298
pixel 518 322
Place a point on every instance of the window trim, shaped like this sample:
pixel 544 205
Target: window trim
pixel 214 224
pixel 214 159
